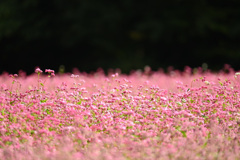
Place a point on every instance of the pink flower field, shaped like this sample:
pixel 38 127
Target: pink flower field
pixel 191 115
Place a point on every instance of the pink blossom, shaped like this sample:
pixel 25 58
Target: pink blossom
pixel 38 70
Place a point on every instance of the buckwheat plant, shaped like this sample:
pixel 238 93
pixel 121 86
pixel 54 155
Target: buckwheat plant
pixel 181 115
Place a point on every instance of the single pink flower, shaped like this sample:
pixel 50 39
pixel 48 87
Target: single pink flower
pixel 38 70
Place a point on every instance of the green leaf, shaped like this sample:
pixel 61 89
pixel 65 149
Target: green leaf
pixel 179 103
pixel 184 133
pixel 80 102
pixel 2 111
pixel 93 113
pixel 192 101
pixel 124 99
pixel 12 102
pixel 8 143
pixel 44 100
pixel 204 145
pixel 14 119
pixel 220 83
pixel 32 132
pixel 183 100
pixel 48 111
pixel 178 128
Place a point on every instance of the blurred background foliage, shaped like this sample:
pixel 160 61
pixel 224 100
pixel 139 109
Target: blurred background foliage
pixel 126 34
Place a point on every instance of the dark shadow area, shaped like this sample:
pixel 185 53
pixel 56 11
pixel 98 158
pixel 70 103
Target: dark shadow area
pixel 126 34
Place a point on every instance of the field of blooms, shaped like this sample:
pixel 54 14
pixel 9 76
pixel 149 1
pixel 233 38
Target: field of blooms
pixel 147 115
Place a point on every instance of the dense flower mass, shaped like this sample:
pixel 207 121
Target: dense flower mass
pixel 150 115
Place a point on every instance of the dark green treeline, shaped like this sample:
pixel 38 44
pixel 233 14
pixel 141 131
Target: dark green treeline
pixel 126 34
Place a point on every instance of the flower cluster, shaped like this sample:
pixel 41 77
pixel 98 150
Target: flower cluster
pixel 38 70
pixel 50 72
pixel 138 116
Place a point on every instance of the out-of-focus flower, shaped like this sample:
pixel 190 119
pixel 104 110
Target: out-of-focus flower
pixel 38 70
